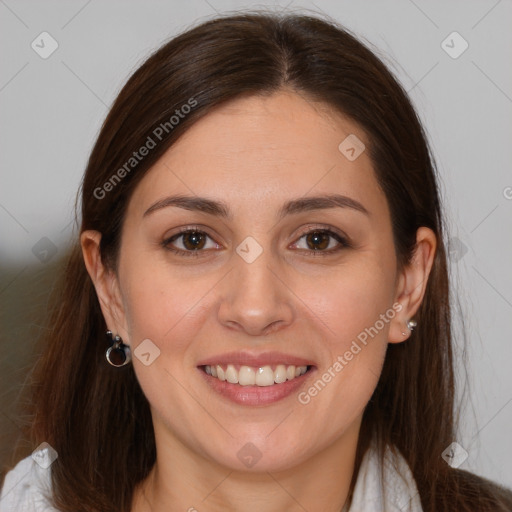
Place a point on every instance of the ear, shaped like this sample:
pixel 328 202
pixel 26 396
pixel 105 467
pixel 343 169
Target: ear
pixel 106 284
pixel 412 283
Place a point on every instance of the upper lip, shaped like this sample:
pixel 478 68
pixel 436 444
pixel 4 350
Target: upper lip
pixel 255 359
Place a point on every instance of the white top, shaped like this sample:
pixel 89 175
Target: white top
pixel 27 487
pixel 398 491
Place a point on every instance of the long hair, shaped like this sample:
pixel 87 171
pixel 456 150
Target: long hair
pixel 96 417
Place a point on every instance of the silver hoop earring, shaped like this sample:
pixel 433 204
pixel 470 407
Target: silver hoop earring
pixel 118 354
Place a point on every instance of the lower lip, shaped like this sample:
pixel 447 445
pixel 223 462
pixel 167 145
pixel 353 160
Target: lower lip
pixel 255 395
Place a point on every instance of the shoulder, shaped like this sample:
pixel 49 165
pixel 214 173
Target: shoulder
pixel 483 494
pixel 27 487
pixel 389 484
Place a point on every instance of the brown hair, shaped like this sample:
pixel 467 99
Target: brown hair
pixel 96 417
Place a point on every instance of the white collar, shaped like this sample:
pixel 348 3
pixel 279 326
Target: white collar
pixel 396 493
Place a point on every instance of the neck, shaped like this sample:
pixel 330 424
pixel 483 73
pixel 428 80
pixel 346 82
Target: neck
pixel 182 480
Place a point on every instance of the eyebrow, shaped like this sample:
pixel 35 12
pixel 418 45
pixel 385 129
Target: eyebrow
pixel 295 206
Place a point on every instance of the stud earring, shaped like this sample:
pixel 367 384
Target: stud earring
pixel 411 324
pixel 118 354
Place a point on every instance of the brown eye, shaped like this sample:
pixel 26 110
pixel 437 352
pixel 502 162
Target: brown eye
pixel 190 242
pixel 317 240
pixel 322 241
pixel 193 240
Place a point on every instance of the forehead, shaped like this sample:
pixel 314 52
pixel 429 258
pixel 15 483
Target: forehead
pixel 262 148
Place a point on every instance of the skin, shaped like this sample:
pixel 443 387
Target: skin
pixel 255 154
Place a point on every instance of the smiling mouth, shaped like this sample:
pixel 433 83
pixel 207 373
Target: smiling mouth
pixel 255 376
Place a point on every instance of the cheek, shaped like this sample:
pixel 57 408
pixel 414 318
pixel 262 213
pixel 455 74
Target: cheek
pixel 171 311
pixel 351 302
pixel 165 308
pixel 157 301
pixel 354 310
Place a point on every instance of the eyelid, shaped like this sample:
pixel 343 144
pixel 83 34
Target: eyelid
pixel 323 227
pixel 342 239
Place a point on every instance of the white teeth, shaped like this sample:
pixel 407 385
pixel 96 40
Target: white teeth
pixel 231 374
pixel 264 376
pixel 250 376
pixel 280 374
pixel 246 376
pixel 300 370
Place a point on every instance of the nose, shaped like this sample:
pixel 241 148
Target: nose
pixel 255 297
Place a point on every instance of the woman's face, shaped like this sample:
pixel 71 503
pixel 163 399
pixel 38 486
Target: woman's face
pixel 278 280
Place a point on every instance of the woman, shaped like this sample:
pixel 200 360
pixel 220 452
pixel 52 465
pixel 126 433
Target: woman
pixel 262 243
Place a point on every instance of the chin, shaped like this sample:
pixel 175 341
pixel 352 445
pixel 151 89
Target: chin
pixel 259 454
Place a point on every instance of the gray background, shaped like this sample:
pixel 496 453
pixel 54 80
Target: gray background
pixel 52 109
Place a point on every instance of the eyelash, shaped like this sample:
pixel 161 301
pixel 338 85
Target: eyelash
pixel 197 253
